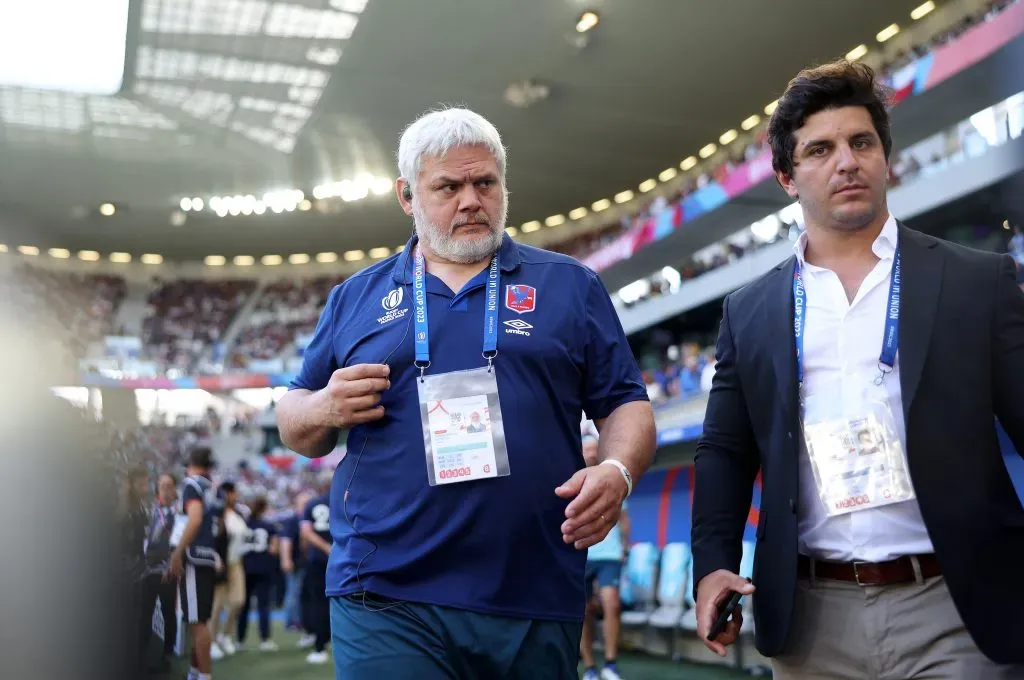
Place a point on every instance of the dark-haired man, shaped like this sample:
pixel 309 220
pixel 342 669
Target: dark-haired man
pixel 194 559
pixel 902 558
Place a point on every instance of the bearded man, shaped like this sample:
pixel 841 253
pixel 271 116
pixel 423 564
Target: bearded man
pixel 458 551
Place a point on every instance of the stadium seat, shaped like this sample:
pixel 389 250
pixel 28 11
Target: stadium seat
pixel 747 571
pixel 689 620
pixel 641 575
pixel 675 560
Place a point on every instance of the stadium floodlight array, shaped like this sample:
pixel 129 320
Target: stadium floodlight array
pixel 185 72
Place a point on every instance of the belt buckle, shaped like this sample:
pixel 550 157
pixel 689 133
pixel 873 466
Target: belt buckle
pixel 856 572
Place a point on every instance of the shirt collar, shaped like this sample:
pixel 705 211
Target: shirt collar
pixel 884 245
pixel 509 258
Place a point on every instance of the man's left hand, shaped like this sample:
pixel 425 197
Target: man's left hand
pixel 597 494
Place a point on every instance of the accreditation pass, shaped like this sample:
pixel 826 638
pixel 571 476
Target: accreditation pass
pixel 462 439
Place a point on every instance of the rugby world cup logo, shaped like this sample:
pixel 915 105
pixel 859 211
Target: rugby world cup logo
pixel 392 299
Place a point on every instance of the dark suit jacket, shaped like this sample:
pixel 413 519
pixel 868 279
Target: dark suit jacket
pixel 961 354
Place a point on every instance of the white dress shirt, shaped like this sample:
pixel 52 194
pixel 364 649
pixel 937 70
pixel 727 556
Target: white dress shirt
pixel 842 345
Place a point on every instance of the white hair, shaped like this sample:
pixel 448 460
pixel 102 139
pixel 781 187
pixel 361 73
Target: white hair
pixel 438 132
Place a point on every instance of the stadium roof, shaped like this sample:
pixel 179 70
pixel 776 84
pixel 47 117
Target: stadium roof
pixel 265 99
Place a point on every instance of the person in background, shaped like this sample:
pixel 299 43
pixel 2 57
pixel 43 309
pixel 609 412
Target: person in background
pixel 157 586
pixel 707 373
pixel 195 560
pixel 293 565
pixel 604 567
pixel 260 563
pixel 316 535
pixel 133 520
pixel 230 592
pixel 220 547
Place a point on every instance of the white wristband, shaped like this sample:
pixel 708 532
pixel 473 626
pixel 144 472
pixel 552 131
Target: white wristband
pixel 625 473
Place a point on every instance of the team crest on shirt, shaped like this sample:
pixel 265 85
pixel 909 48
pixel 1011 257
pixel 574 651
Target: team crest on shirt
pixel 520 299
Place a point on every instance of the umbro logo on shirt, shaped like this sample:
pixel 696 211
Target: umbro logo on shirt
pixel 517 327
pixel 390 303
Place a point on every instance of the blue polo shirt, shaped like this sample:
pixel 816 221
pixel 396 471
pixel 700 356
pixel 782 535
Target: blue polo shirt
pixel 491 546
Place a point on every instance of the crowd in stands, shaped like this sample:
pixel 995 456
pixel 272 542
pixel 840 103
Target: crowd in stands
pixel 586 244
pixel 65 309
pixel 681 371
pixel 906 57
pixel 286 310
pixel 186 316
pixel 667 281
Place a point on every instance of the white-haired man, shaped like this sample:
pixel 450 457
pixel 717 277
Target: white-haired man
pixel 458 553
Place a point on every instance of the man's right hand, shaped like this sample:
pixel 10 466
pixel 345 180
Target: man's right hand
pixel 712 591
pixel 352 396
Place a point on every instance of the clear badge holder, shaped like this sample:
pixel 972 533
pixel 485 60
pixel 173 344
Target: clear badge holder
pixel 180 522
pixel 463 430
pixel 859 462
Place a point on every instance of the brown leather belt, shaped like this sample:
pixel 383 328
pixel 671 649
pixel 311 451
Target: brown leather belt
pixel 893 572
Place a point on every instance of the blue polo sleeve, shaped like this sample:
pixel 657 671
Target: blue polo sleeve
pixel 612 377
pixel 319 360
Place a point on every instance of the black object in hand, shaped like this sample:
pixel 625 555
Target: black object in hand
pixel 725 612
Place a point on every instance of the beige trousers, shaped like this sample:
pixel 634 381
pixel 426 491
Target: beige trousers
pixel 845 631
pixel 228 597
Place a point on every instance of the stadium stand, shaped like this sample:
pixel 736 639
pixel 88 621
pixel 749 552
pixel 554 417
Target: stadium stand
pixel 285 310
pixel 67 310
pixel 584 245
pixel 187 315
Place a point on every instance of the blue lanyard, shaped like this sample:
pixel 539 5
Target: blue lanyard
pixel 419 295
pixel 890 338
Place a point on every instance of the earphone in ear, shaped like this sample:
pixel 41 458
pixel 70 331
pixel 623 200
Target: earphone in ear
pixel 407 193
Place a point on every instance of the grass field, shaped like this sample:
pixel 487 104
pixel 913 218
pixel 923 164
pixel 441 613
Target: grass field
pixel 290 664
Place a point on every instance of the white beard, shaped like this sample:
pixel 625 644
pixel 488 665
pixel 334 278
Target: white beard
pixel 459 250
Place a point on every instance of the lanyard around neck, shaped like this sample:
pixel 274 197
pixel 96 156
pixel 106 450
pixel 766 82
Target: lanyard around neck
pixel 419 295
pixel 890 337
